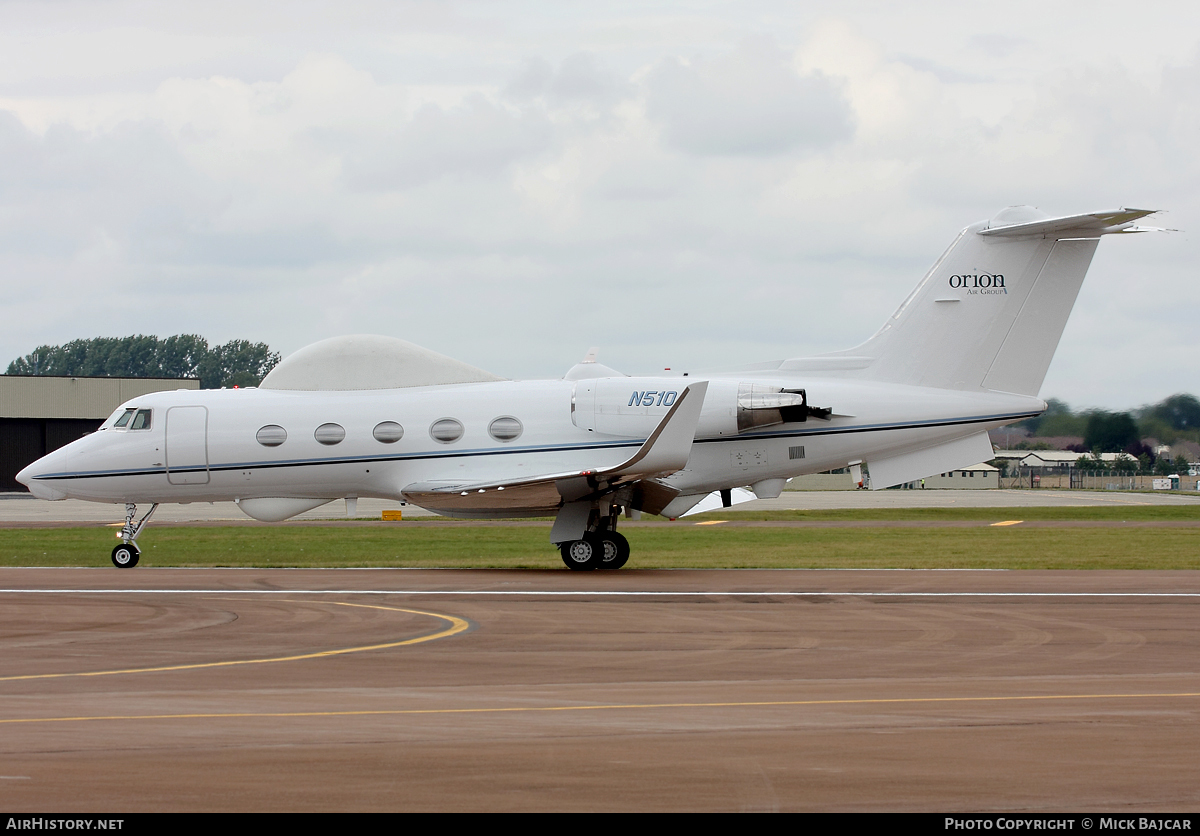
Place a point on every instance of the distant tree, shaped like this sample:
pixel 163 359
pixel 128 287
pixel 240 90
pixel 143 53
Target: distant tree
pixel 236 363
pixel 1137 450
pixel 1181 464
pixel 1125 463
pixel 1171 419
pixel 1181 412
pixel 1110 432
pixel 1053 407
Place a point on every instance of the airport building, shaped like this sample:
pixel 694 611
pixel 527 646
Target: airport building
pixel 975 477
pixel 40 414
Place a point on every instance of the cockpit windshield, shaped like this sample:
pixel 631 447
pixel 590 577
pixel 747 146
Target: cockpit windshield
pixel 128 419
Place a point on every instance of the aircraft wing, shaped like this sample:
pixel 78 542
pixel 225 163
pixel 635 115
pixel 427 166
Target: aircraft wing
pixel 664 452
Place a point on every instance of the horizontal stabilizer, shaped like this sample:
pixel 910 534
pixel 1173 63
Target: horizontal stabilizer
pixel 666 451
pixel 909 467
pixel 1094 223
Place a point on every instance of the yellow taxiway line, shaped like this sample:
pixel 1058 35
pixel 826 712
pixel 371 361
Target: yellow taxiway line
pixel 595 707
pixel 457 625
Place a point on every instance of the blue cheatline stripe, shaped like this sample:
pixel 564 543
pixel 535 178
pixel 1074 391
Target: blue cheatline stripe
pixel 558 448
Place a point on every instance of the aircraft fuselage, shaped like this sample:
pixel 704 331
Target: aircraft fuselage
pixel 202 446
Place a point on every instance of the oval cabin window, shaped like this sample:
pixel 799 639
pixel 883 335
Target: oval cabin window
pixel 388 432
pixel 272 435
pixel 330 434
pixel 446 430
pixel 505 428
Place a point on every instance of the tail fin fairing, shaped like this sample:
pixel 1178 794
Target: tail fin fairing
pixel 991 310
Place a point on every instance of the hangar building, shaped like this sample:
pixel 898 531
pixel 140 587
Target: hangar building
pixel 39 414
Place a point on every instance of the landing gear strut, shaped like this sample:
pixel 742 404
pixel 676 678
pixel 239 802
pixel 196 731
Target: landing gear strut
pixel 126 555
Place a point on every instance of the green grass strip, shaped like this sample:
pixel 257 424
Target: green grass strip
pixel 1081 513
pixel 678 545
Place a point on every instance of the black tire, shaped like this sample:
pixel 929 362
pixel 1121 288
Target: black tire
pixel 616 550
pixel 583 555
pixel 125 556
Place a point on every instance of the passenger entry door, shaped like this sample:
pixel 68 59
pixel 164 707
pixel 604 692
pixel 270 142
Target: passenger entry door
pixel 187 445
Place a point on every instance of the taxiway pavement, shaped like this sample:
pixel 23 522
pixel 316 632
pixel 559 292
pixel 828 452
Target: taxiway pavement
pixel 220 689
pixel 23 508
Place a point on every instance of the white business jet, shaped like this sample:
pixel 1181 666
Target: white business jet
pixel 367 416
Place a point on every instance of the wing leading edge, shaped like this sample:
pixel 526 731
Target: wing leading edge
pixel 664 452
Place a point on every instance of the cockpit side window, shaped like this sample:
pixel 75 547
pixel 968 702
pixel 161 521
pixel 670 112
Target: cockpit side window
pixel 141 421
pixel 123 421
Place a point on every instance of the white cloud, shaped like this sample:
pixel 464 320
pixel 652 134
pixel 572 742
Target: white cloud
pixel 746 102
pixel 511 186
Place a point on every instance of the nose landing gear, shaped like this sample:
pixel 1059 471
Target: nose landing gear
pixel 126 555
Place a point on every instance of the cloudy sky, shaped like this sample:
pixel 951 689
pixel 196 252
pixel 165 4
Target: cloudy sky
pixel 681 184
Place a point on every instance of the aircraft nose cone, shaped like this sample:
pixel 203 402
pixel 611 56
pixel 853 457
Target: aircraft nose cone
pixel 28 478
pixel 26 475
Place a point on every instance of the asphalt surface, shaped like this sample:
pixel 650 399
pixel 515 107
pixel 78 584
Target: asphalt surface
pixel 23 508
pixel 176 689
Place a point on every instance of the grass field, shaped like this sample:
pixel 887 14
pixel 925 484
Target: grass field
pixel 660 545
pixel 1091 513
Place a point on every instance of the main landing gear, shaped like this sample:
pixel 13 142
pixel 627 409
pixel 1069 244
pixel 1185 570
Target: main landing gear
pixel 126 555
pixel 604 549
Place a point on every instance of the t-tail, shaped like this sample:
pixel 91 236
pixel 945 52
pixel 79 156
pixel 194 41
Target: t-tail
pixel 989 314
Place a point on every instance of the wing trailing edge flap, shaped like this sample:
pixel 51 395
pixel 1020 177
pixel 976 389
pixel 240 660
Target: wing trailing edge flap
pixel 909 467
pixel 664 452
pixel 685 506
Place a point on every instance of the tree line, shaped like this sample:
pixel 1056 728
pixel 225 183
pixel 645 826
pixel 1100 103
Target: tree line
pixel 235 363
pixel 1173 419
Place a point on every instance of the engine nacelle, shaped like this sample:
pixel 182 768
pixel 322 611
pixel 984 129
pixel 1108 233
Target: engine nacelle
pixel 633 406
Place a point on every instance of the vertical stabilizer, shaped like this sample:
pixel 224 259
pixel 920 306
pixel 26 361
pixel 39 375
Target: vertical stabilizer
pixel 990 312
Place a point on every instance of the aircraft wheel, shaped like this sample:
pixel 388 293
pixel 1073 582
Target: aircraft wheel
pixel 616 550
pixel 125 556
pixel 583 555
